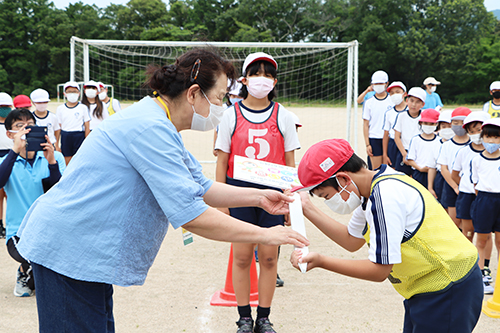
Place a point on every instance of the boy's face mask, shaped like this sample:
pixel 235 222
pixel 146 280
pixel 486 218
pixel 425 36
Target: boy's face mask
pixel 4 111
pixel 339 205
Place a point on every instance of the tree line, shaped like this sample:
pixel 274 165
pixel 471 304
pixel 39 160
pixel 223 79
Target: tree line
pixel 456 41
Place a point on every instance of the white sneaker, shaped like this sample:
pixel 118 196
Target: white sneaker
pixel 487 274
pixel 488 289
pixel 21 289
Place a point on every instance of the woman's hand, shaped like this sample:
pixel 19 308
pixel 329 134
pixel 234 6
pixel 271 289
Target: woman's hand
pixel 274 202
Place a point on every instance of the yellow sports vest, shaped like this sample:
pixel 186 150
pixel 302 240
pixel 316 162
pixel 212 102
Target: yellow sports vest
pixel 494 113
pixel 436 255
pixel 110 107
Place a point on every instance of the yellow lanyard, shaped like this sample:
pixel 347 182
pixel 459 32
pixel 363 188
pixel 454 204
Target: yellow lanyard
pixel 158 97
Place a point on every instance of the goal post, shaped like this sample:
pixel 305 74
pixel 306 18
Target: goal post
pixel 311 76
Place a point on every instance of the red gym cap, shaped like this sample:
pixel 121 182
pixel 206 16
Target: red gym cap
pixel 22 101
pixel 460 113
pixel 253 57
pixel 322 161
pixel 429 116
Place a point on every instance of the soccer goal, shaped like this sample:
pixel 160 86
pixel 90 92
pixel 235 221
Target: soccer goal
pixel 317 81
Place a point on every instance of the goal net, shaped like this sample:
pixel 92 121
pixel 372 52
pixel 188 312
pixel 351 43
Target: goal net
pixel 317 81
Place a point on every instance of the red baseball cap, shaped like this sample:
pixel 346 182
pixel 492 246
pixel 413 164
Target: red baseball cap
pixel 460 113
pixel 322 161
pixel 429 116
pixel 22 101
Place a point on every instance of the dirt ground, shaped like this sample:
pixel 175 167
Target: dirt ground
pixel 176 294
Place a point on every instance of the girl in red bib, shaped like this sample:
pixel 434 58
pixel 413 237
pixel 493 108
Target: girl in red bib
pixel 261 129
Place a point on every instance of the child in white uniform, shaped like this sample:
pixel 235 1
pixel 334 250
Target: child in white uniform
pixel 109 103
pixel 97 113
pixel 435 179
pixel 397 93
pixel 40 97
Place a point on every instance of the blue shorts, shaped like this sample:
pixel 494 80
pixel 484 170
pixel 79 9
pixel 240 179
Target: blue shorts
pixel 456 309
pixel 376 144
pixel 438 187
pixel 254 215
pixel 448 196
pixel 4 152
pixel 420 177
pixel 401 167
pixel 464 205
pixel 392 151
pixel 486 217
pixel 71 142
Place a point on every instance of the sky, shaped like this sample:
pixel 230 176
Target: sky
pixel 490 4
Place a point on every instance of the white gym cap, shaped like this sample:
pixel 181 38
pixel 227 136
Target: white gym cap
pixel 380 77
pixel 5 99
pixel 39 96
pixel 480 116
pixel 431 80
pixel 492 121
pixel 418 93
pixel 495 85
pixel 71 84
pixel 445 116
pixel 253 57
pixel 92 83
pixel 396 84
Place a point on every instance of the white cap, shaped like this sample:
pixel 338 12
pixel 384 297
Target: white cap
pixel 92 83
pixel 296 119
pixel 445 116
pixel 39 96
pixel 235 88
pixel 71 84
pixel 495 85
pixel 492 121
pixel 418 93
pixel 480 116
pixel 431 80
pixel 396 84
pixel 5 99
pixel 253 57
pixel 380 77
pixel 101 85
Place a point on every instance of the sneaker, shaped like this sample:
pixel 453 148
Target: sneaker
pixel 487 274
pixel 263 325
pixel 21 289
pixel 279 281
pixel 245 325
pixel 488 289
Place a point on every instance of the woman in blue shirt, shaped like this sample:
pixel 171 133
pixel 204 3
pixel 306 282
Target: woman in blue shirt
pixel 105 220
pixel 432 101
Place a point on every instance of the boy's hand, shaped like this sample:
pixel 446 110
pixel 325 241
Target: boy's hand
pixel 424 169
pixel 433 192
pixel 48 151
pixel 312 259
pixel 19 142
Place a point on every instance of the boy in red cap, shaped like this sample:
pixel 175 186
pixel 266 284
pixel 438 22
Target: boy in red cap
pixel 22 101
pixel 413 242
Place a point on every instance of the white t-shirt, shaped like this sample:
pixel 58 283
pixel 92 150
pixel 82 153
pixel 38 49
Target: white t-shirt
pixel 448 153
pixel 435 154
pixel 116 105
pixel 5 141
pixel 51 122
pixel 286 125
pixel 408 127
pixel 374 110
pixel 462 165
pixel 394 208
pixel 486 107
pixel 72 119
pixel 485 173
pixel 422 151
pixel 390 119
pixel 94 121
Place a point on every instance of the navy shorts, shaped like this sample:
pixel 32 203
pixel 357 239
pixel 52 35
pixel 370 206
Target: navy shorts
pixel 71 142
pixel 438 187
pixel 420 177
pixel 401 167
pixel 456 309
pixel 376 144
pixel 464 205
pixel 392 151
pixel 448 196
pixel 4 152
pixel 486 217
pixel 254 215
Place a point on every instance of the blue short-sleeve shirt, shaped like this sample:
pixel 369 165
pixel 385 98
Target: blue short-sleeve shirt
pixel 106 218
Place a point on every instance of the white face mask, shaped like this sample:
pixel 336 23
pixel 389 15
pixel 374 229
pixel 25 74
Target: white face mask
pixel 42 107
pixel 259 87
pixel 476 138
pixel 22 137
pixel 90 93
pixel 428 129
pixel 446 133
pixel 339 206
pixel 397 98
pixel 433 88
pixel 379 88
pixel 200 123
pixel 72 97
pixel 103 95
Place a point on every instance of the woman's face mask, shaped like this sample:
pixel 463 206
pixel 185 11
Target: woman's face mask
pixel 200 123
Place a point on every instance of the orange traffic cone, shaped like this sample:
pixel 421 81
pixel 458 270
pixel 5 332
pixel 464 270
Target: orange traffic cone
pixel 491 307
pixel 226 296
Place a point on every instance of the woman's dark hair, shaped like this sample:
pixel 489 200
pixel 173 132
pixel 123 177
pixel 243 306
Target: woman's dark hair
pixel 197 66
pixel 98 104
pixel 354 164
pixel 472 124
pixel 18 114
pixel 252 69
pixel 488 130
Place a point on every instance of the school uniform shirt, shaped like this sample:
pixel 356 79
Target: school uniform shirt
pixel 462 165
pixel 408 127
pixel 286 125
pixel 51 122
pixel 374 110
pixel 422 150
pixel 114 103
pixel 390 119
pixel 72 119
pixel 435 154
pixel 94 121
pixel 432 101
pixel 492 109
pixel 105 219
pixel 6 143
pixel 449 151
pixel 485 173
